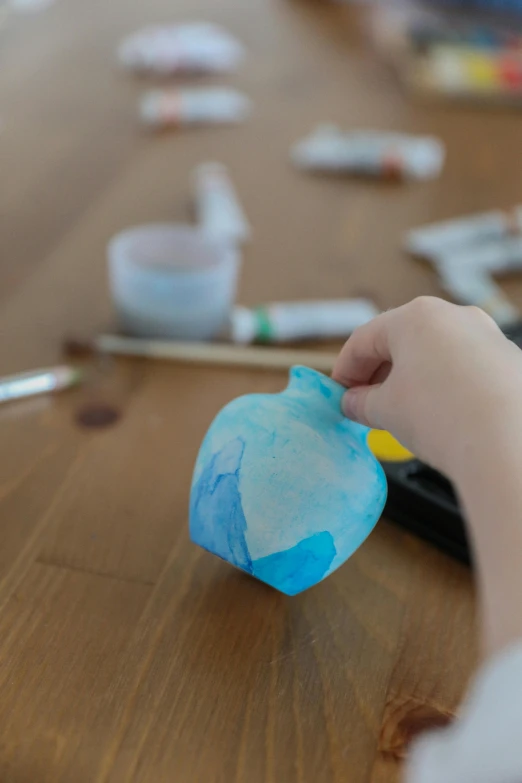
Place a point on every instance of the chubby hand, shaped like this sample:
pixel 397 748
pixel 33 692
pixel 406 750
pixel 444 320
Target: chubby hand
pixel 431 373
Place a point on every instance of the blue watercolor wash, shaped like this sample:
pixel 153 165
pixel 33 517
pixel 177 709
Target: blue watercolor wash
pixel 298 568
pixel 284 486
pixel 217 521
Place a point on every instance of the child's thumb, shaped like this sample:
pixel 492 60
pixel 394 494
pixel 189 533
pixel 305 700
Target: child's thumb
pixel 361 404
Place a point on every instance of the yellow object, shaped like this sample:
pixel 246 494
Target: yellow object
pixel 385 447
pixel 481 70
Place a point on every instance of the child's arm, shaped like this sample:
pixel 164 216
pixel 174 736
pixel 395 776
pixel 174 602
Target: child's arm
pixel 447 383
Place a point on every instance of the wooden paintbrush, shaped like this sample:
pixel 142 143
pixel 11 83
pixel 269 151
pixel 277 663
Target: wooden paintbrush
pixel 204 353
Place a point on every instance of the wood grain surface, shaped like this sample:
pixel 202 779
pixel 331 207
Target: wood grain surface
pixel 126 654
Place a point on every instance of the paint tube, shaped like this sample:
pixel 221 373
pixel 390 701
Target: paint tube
pixel 219 212
pixel 184 48
pixel 440 239
pixel 496 256
pixel 285 321
pixel 372 153
pixel 470 285
pixel 198 106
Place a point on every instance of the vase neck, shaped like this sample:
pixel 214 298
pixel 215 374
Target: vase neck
pixel 323 396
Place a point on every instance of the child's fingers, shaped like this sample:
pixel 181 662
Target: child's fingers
pixel 364 353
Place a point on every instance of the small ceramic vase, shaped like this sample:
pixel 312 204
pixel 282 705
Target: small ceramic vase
pixel 286 488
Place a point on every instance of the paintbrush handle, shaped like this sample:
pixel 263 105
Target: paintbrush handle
pixel 215 353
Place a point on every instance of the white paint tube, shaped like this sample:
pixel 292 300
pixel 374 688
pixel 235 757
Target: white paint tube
pixel 470 285
pixel 467 276
pixel 195 106
pixel 196 47
pixel 495 256
pixel 219 213
pixel 286 321
pixel 440 239
pixel 373 153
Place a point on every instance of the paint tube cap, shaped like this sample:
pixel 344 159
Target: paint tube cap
pixel 243 325
pixel 172 281
pixel 424 158
pixel 324 149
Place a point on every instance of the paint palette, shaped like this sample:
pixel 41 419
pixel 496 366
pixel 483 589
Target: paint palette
pixel 421 499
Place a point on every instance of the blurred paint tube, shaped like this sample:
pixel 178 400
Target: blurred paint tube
pixel 184 48
pixel 219 212
pixel 198 106
pixel 372 153
pixel 472 286
pixel 495 256
pixel 439 239
pixel 285 321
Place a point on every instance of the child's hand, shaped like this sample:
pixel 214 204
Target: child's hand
pixel 434 374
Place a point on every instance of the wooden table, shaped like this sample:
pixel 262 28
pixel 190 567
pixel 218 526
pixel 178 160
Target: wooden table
pixel 126 654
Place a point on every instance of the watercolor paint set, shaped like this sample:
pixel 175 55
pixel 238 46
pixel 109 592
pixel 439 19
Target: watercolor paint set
pixel 424 501
pixel 453 50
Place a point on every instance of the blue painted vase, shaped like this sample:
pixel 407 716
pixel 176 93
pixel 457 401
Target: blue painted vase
pixel 286 488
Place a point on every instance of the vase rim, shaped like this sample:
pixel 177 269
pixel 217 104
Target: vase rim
pixel 302 371
pixel 305 378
